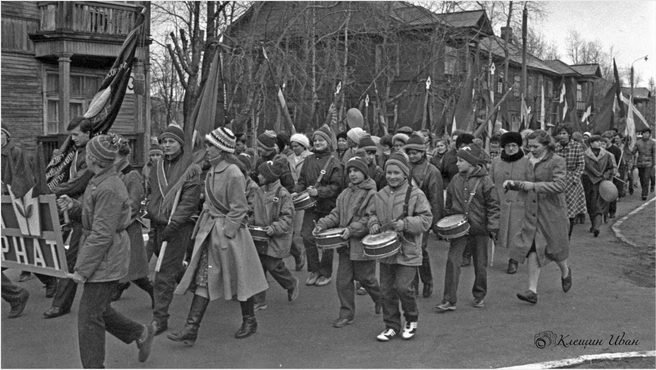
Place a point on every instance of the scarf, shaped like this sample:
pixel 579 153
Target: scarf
pixel 512 158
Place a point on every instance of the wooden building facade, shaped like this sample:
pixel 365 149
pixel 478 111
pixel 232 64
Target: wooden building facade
pixel 54 56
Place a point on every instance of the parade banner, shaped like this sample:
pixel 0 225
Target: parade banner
pixel 31 236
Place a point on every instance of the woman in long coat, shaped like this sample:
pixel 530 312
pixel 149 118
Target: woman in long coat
pixel 224 262
pixel 542 192
pixel 599 165
pixel 138 269
pixel 509 165
pixel 572 151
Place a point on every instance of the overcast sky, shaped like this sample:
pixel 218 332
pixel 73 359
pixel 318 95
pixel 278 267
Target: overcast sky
pixel 629 26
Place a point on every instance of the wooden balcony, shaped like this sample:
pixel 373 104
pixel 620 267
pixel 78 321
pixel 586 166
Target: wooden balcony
pixel 86 17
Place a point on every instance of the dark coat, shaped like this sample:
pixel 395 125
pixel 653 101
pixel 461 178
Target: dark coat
pixel 331 183
pixel 483 210
pixel 429 180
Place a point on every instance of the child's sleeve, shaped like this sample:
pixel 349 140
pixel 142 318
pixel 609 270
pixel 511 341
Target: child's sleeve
pixel 491 196
pixel 359 228
pixel 285 220
pixel 421 218
pixel 371 212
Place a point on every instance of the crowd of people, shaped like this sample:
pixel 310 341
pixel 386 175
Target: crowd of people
pixel 219 227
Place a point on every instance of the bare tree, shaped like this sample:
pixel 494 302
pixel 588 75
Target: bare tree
pixel 575 46
pixel 535 44
pixel 551 51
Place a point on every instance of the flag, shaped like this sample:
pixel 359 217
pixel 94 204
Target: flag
pixel 203 117
pixel 618 90
pixel 542 109
pixel 633 126
pixel 463 111
pixel 104 106
pixel 603 121
pixel 563 100
pixel 454 127
pixel 589 106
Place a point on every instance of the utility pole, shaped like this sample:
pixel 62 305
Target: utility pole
pixel 524 34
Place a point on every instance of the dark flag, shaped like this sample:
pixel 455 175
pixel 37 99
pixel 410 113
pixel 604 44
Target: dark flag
pixel 104 107
pixel 463 112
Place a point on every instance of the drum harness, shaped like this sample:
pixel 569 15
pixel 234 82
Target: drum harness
pixel 471 196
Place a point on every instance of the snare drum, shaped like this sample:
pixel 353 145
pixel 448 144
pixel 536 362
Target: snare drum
pixel 331 238
pixel 453 226
pixel 258 234
pixel 381 245
pixel 303 201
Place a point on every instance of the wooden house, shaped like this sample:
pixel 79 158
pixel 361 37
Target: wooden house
pixel 54 56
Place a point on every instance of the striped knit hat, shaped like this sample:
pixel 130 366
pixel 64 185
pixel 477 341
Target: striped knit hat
pixel 267 140
pixel 174 132
pixel 223 139
pixel 400 159
pixel 325 133
pixel 102 148
pixel 367 143
pixel 155 149
pixel 270 170
pixel 359 164
pixel 470 153
pixel 416 142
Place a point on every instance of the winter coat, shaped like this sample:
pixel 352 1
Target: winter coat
pixel 645 151
pixel 351 212
pixel 436 160
pixel 377 174
pixel 165 175
pixel 267 200
pixel 286 179
pixel 574 195
pixel 512 211
pixel 296 163
pixel 104 252
pixel 545 212
pixel 16 170
pixel 331 183
pixel 429 180
pixel 387 206
pixel 600 167
pixel 138 266
pixel 448 167
pixel 79 176
pixel 234 267
pixel 483 210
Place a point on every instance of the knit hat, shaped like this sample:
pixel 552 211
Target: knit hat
pixel 405 130
pixel 155 149
pixel 367 143
pixel 400 159
pixel 174 132
pixel 6 131
pixel 416 142
pixel 325 133
pixel 402 137
pixel 464 139
pixel 223 139
pixel 247 160
pixel 300 139
pixel 355 134
pixel 267 140
pixel 510 137
pixel 102 148
pixel 359 164
pixel 270 170
pixel 470 153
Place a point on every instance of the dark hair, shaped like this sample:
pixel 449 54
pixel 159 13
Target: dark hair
pixel 495 138
pixel 543 138
pixel 282 140
pixel 646 130
pixel 85 125
pixel 464 139
pixel 567 127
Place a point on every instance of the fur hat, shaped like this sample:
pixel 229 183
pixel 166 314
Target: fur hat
pixel 401 137
pixel 223 139
pixel 464 139
pixel 300 139
pixel 270 170
pixel 325 133
pixel 355 134
pixel 173 131
pixel 471 153
pixel 415 142
pixel 400 159
pixel 367 143
pixel 510 137
pixel 267 140
pixel 405 130
pixel 102 148
pixel 155 149
pixel 359 164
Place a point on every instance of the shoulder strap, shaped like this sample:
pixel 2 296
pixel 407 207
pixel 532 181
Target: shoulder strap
pixel 423 177
pixel 471 194
pixel 406 203
pixel 323 171
pixel 276 205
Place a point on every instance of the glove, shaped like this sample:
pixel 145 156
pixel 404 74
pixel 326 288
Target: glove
pixel 168 233
pixel 494 235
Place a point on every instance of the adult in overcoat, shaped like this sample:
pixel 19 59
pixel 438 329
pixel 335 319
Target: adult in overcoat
pixel 599 165
pixel 224 262
pixel 510 165
pixel 542 192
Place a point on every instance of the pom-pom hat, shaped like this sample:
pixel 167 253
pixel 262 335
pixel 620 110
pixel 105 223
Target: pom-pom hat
pixel 223 139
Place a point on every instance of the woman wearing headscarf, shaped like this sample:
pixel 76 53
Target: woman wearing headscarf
pixel 542 192
pixel 224 262
pixel 510 165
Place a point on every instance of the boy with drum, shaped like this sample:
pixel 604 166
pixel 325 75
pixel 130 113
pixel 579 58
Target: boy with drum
pixel 350 216
pixel 273 212
pixel 471 193
pixel 405 210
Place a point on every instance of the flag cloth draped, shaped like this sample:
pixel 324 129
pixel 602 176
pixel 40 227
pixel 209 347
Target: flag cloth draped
pixel 632 126
pixel 463 112
pixel 542 109
pixel 603 121
pixel 104 107
pixel 589 107
pixel 563 100
pixel 618 90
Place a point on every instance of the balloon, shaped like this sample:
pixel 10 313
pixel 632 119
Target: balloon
pixel 354 118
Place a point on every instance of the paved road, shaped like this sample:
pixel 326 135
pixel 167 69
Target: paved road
pixel 602 302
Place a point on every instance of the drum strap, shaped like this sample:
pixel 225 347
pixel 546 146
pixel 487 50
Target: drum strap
pixel 323 171
pixel 406 203
pixel 471 195
pixel 276 205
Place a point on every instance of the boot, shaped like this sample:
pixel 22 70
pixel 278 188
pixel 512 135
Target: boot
pixel 146 285
pixel 189 333
pixel 596 221
pixel 249 324
pixel 119 291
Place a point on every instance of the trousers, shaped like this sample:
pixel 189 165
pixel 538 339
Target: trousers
pixel 66 288
pixel 452 275
pixel 348 271
pixel 276 267
pixel 322 265
pixel 396 286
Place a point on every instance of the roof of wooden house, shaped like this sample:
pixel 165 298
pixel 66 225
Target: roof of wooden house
pixel 495 46
pixel 587 70
pixel 639 93
pixel 561 68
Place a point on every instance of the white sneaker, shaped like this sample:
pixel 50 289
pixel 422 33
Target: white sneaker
pixel 409 330
pixel 386 335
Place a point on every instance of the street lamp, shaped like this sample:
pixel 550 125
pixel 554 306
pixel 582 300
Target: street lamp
pixel 645 58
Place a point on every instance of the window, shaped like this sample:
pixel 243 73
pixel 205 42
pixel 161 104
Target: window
pixel 450 60
pixel 579 92
pixel 83 88
pixel 550 88
pixel 516 88
pixel 388 58
pixel 500 83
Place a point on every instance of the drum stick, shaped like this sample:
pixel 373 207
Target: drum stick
pixel 67 220
pixel 492 256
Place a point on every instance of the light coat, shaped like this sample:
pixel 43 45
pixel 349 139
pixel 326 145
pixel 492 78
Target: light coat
pixel 387 206
pixel 512 211
pixel 265 204
pixel 351 212
pixel 234 269
pixel 545 212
